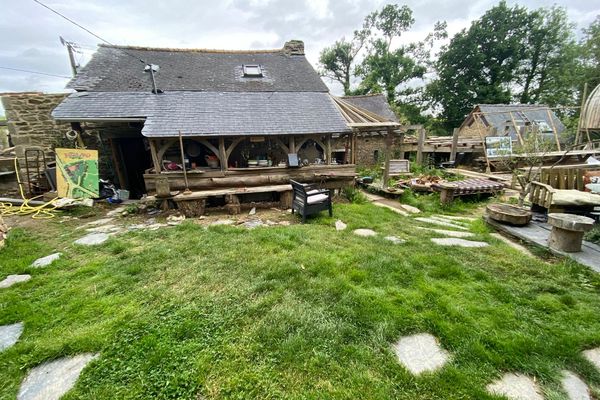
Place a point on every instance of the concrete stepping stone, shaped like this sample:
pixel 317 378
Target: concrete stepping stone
pixel 593 356
pixel 116 211
pixel 98 222
pixel 420 353
pixel 364 232
pixel 45 261
pixel 9 334
pixel 442 223
pixel 458 242
pixel 410 209
pixel 458 234
pixel 51 380
pixel 574 387
pixel 394 239
pixel 93 239
pixel 516 387
pixel 397 210
pixel 457 218
pixel 12 279
pixel 340 226
pixel 110 228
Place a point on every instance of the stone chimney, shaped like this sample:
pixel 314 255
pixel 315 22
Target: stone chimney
pixel 294 48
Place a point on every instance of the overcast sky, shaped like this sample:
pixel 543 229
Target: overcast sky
pixel 29 33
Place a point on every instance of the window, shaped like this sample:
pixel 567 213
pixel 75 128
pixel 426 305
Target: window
pixel 252 71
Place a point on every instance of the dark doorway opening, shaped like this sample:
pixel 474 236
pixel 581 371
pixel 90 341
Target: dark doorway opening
pixel 134 159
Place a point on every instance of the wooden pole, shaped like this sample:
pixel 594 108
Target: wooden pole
pixel 554 129
pixel 223 154
pixel 155 160
pixel 487 160
pixel 292 144
pixel 389 140
pixel 401 145
pixel 420 145
pixel 454 144
pixel 116 161
pixel 517 130
pixel 185 178
pixel 328 150
pixel 581 112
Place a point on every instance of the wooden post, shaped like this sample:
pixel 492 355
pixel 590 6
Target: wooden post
pixel 517 130
pixel 353 148
pixel 554 131
pixel 389 141
pixel 401 145
pixel 581 112
pixel 223 154
pixel 155 160
pixel 328 149
pixel 187 186
pixel 420 145
pixel 116 161
pixel 292 144
pixel 454 144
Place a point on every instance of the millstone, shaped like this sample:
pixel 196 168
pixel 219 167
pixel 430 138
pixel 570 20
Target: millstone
pixel 516 387
pixel 51 380
pixel 9 334
pixel 420 353
pixel 12 279
pixel 364 232
pixel 45 261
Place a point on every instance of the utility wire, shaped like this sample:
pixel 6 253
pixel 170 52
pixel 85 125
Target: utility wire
pixel 88 31
pixel 35 72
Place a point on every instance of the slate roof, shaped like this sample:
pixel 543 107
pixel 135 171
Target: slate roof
pixel 499 116
pixel 210 113
pixel 116 69
pixel 376 103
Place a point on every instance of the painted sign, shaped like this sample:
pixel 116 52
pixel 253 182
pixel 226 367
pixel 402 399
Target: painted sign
pixel 77 173
pixel 498 146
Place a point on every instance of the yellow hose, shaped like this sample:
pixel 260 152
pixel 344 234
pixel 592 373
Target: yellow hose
pixel 43 211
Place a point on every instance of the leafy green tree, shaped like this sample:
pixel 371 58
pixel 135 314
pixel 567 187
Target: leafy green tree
pixel 591 54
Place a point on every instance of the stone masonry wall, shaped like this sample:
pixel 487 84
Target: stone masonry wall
pixel 369 149
pixel 29 121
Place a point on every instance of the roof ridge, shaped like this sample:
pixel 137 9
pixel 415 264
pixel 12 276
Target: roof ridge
pixel 191 50
pixel 362 95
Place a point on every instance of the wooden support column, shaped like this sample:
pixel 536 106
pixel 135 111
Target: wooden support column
pixel 554 131
pixel 292 145
pixel 153 152
pixel 353 153
pixel 401 146
pixel 116 159
pixel 223 154
pixel 389 142
pixel 420 145
pixel 328 149
pixel 454 144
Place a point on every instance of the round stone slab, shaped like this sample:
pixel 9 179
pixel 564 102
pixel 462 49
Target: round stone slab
pixel 45 261
pixel 364 232
pixel 92 239
pixel 420 353
pixel 12 279
pixel 574 387
pixel 516 387
pixel 9 334
pixel 593 356
pixel 570 222
pixel 458 242
pixel 51 380
pixel 339 225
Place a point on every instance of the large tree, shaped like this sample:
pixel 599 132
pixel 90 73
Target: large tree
pixel 510 54
pixel 591 54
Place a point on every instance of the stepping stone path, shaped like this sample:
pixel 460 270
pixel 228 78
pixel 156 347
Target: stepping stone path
pixel 223 222
pixel 9 334
pixel 394 209
pixel 458 242
pixel 99 222
pixel 110 228
pixel 516 387
pixel 340 226
pixel 420 353
pixel 116 211
pixel 593 356
pixel 394 239
pixel 92 239
pixel 45 261
pixel 364 232
pixel 438 222
pixel 574 387
pixel 51 380
pixel 457 234
pixel 12 279
pixel 456 218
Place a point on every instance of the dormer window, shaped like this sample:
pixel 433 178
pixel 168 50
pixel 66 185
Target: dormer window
pixel 252 71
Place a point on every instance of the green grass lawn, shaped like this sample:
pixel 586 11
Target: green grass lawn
pixel 292 312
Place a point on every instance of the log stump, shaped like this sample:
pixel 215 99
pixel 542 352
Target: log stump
pixel 567 231
pixel 285 199
pixel 192 208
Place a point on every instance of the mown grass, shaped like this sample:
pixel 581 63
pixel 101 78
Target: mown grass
pixel 293 312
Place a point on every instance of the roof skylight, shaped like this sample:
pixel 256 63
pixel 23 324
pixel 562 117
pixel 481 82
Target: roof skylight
pixel 252 70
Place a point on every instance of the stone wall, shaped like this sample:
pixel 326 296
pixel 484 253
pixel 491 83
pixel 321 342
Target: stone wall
pixel 29 122
pixel 370 150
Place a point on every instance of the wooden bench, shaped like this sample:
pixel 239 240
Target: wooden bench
pixel 194 204
pixel 450 190
pixel 556 200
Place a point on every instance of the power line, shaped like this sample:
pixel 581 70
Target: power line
pixel 88 31
pixel 35 72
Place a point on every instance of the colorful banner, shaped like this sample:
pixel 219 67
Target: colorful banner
pixel 77 173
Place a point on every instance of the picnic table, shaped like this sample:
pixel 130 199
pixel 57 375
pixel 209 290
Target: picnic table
pixel 450 190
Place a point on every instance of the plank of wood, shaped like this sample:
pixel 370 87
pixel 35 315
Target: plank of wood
pixel 230 191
